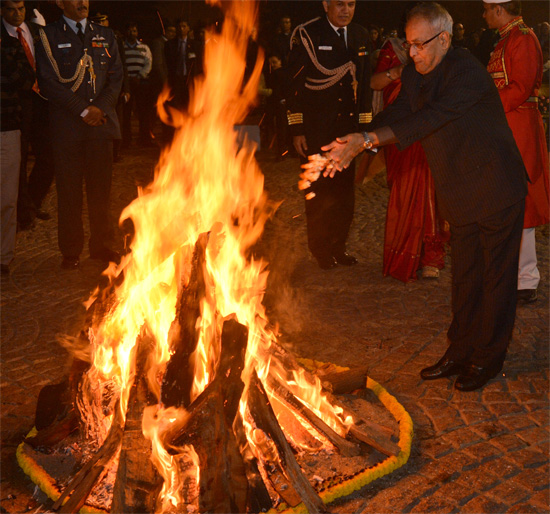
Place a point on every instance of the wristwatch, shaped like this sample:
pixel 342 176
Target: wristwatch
pixel 367 144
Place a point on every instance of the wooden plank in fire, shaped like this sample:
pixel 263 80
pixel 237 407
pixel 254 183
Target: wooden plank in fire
pixel 265 419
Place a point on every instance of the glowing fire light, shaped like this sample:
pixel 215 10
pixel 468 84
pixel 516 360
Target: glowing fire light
pixel 204 183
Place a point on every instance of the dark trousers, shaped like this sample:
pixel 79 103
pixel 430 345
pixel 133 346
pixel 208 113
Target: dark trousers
pixel 140 100
pixel 330 213
pixel 35 135
pixel 485 259
pixel 79 163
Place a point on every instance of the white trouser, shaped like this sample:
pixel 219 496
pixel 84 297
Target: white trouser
pixel 528 273
pixel 10 161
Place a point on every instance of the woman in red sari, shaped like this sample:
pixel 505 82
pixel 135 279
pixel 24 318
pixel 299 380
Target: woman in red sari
pixel 414 236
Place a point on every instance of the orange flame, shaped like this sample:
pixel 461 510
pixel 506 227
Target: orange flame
pixel 204 183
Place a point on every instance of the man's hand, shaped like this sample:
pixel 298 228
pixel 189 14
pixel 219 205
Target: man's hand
pixel 342 151
pixel 300 144
pixel 95 117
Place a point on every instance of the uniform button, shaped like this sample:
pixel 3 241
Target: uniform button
pixel 339 99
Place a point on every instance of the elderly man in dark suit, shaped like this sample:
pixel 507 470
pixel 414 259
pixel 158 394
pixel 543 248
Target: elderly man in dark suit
pixel 80 72
pixel 448 102
pixel 328 96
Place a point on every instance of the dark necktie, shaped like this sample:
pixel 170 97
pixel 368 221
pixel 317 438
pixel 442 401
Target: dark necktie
pixel 342 33
pixel 80 33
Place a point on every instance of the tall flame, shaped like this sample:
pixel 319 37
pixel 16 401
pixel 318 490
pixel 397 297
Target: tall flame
pixel 204 183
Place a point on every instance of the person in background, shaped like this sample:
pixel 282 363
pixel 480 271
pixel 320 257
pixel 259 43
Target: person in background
pixel 516 67
pixel 84 122
pixel 280 44
pixel 328 95
pixel 33 187
pixel 16 75
pixel 124 97
pixel 414 234
pixel 182 60
pixel 449 102
pixel 159 73
pixel 458 36
pixel 139 61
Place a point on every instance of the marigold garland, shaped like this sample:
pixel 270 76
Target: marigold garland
pixel 43 480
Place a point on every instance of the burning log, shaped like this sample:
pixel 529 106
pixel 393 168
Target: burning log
pixel 259 499
pixel 366 431
pixel 223 480
pixel 84 481
pixel 265 419
pixel 346 448
pixel 56 416
pixel 137 481
pixel 178 379
pixel 344 382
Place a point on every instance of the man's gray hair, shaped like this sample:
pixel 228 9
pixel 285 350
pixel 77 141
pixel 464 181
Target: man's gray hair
pixel 438 17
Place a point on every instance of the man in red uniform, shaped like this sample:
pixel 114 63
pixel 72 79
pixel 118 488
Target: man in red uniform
pixel 516 68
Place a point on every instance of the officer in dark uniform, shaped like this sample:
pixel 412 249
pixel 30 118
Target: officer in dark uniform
pixel 80 72
pixel 329 77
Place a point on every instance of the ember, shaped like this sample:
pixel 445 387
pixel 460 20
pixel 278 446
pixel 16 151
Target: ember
pixel 185 400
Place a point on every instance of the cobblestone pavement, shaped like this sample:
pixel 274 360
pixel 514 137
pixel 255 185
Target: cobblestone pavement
pixel 480 452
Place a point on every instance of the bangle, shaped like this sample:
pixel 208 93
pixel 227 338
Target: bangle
pixel 367 144
pixel 388 74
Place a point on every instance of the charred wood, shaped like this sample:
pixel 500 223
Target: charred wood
pixel 265 420
pixel 84 481
pixel 223 479
pixel 183 336
pixel 259 499
pixel 137 482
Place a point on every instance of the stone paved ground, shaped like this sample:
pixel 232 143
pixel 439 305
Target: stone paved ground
pixel 480 452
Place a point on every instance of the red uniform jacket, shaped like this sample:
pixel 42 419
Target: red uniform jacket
pixel 516 68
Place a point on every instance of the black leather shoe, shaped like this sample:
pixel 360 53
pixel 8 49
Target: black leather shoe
pixel 443 368
pixel 345 259
pixel 326 262
pixel 527 295
pixel 105 254
pixel 70 263
pixel 473 377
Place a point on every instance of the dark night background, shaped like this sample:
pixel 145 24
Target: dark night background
pixel 385 13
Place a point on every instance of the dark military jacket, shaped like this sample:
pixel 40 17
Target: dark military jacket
pixel 319 112
pixel 64 50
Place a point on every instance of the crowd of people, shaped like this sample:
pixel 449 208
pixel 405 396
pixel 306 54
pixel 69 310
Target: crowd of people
pixel 330 88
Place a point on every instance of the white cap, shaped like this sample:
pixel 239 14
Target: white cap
pixel 496 1
pixel 38 18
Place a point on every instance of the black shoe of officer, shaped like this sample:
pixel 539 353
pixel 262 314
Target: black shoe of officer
pixel 445 367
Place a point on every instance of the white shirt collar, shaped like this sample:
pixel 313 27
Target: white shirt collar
pixel 12 31
pixel 336 29
pixel 72 24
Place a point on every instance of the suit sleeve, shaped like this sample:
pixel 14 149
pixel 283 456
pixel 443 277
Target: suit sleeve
pixel 523 65
pixel 49 84
pixel 464 85
pixel 108 97
pixel 295 82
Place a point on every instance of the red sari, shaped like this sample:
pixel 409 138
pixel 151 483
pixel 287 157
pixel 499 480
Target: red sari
pixel 414 236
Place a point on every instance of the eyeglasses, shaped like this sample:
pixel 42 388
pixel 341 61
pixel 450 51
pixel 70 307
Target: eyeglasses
pixel 419 46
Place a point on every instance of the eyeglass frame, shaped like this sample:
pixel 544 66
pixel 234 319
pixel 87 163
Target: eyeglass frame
pixel 419 46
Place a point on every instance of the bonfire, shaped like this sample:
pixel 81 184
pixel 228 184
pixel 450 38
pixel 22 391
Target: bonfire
pixel 180 397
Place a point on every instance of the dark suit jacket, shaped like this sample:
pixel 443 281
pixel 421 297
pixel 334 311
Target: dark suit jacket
pixel 327 112
pixel 456 113
pixel 66 105
pixel 192 59
pixel 16 80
